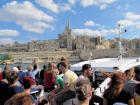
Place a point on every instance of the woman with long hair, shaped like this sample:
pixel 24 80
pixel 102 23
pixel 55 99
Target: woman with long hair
pixel 115 93
pixel 49 79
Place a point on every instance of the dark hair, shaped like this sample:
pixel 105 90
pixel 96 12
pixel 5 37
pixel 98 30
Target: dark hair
pixel 85 66
pixel 19 67
pixel 63 59
pixel 116 79
pixel 28 82
pixel 43 102
pixel 116 68
pixel 44 67
pixel 12 78
pixel 64 64
pixel 82 89
pixel 35 66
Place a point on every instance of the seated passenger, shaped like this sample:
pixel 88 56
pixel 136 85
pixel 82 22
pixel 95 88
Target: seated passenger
pixel 83 92
pixel 115 93
pixel 27 84
pixel 68 92
pixel 20 99
pixel 59 84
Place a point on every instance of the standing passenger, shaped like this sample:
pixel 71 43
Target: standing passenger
pixel 115 93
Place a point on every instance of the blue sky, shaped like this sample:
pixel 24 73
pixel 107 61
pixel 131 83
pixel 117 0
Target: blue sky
pixel 26 20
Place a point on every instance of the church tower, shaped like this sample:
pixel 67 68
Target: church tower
pixel 69 36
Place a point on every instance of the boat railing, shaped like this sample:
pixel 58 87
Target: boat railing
pixel 102 87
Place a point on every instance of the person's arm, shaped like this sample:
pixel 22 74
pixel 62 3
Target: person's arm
pixel 131 102
pixel 105 101
pixel 65 89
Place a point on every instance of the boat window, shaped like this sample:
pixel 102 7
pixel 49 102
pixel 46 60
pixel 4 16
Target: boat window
pixel 99 78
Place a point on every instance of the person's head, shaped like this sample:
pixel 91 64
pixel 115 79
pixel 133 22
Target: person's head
pixel 83 90
pixel 19 67
pixel 55 72
pixel 117 82
pixel 87 70
pixel 63 59
pixel 51 66
pixel 115 68
pixel 35 67
pixel 63 66
pixel 15 69
pixel 58 67
pixel 28 82
pixel 20 99
pixel 13 77
pixel 44 67
pixel 129 74
pixel 30 68
pixel 7 67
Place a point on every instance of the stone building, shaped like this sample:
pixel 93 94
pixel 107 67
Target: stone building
pixel 74 42
pixel 46 45
pixel 66 38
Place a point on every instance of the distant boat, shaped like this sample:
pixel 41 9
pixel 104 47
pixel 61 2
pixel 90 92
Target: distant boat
pixel 107 65
pixel 27 60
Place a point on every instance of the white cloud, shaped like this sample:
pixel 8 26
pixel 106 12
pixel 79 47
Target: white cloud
pixel 26 14
pixel 72 2
pixel 49 4
pixel 90 23
pixel 8 32
pixel 55 7
pixel 65 7
pixel 90 32
pixel 102 4
pixel 132 16
pixel 130 20
pixel 86 3
pixel 6 41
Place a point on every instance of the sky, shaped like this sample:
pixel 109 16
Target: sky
pixel 26 20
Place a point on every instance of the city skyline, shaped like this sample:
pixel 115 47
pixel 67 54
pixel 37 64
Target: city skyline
pixel 25 20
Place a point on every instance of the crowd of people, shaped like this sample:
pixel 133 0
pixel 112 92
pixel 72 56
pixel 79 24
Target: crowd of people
pixel 19 87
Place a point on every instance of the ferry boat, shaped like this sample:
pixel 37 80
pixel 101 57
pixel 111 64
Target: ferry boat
pixel 106 64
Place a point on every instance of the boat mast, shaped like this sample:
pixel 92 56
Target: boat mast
pixel 120 43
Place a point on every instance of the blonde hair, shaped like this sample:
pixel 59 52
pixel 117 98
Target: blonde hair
pixel 83 88
pixel 130 73
pixel 51 67
pixel 20 99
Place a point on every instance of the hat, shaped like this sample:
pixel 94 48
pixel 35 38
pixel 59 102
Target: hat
pixel 15 69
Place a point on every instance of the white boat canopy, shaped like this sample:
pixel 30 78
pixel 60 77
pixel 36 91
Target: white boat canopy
pixel 108 63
